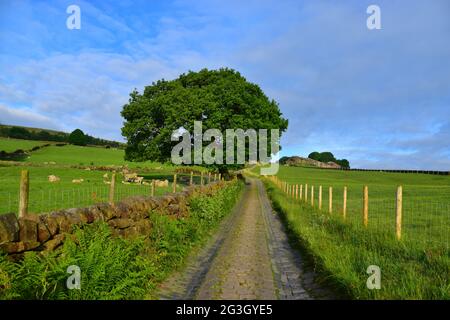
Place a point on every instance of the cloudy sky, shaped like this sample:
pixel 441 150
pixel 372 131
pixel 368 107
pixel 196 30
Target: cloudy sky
pixel 380 98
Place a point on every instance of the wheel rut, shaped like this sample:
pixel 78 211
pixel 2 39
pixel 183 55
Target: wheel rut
pixel 249 257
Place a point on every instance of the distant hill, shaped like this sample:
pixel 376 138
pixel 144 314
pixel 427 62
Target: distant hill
pixel 29 133
pixel 297 161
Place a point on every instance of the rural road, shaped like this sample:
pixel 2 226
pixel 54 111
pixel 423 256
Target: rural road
pixel 249 257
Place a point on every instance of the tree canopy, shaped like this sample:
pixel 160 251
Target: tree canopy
pixel 77 137
pixel 222 99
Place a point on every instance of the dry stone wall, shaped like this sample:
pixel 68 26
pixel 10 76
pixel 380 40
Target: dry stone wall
pixel 128 218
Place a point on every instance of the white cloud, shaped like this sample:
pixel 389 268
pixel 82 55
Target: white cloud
pixel 25 117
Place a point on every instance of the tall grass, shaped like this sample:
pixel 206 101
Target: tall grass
pixel 342 252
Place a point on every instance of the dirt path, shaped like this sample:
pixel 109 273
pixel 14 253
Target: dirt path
pixel 248 258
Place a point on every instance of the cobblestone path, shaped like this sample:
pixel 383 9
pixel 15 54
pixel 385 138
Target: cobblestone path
pixel 248 258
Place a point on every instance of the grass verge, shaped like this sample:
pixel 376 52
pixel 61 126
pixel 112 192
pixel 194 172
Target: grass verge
pixel 343 252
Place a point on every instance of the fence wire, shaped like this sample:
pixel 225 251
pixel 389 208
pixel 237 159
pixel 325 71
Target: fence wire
pixel 425 211
pixel 53 198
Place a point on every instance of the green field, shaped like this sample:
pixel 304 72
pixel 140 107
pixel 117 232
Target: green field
pixel 11 145
pixel 63 162
pixel 426 199
pixel 415 267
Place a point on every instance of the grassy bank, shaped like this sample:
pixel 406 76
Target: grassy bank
pixel 115 268
pixel 426 199
pixel 342 252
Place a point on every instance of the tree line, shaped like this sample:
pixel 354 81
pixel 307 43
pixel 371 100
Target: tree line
pixel 77 137
pixel 328 157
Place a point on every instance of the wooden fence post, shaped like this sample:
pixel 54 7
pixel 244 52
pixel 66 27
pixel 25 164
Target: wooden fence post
pixel 301 191
pixel 209 177
pixel 330 200
pixel 174 183
pixel 153 188
pixel 112 187
pixel 344 205
pixel 306 192
pixel 296 191
pixel 398 218
pixel 320 197
pixel 366 206
pixel 201 178
pixel 312 196
pixel 191 180
pixel 24 193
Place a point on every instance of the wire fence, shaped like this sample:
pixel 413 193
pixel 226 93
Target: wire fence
pixel 420 216
pixel 52 198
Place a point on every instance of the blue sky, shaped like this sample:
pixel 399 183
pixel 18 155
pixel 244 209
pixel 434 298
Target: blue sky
pixel 380 98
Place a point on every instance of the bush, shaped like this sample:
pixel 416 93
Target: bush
pixel 111 268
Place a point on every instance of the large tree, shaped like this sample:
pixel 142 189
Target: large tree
pixel 222 99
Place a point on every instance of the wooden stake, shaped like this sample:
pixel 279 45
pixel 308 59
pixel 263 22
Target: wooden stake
pixel 296 191
pixel 398 219
pixel 174 183
pixel 312 196
pixel 301 191
pixel 344 206
pixel 365 206
pixel 320 197
pixel 209 177
pixel 24 193
pixel 191 180
pixel 112 187
pixel 330 200
pixel 201 178
pixel 306 192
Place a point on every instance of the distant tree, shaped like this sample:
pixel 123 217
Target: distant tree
pixel 19 133
pixel 314 155
pixel 327 157
pixel 343 163
pixel 77 137
pixel 283 160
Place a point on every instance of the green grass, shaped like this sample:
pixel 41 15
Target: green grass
pixel 77 155
pixel 11 145
pixel 64 162
pixel 114 268
pixel 426 199
pixel 343 251
pixel 46 196
pixel 71 155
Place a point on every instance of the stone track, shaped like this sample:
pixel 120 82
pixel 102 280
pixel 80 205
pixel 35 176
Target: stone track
pixel 249 257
